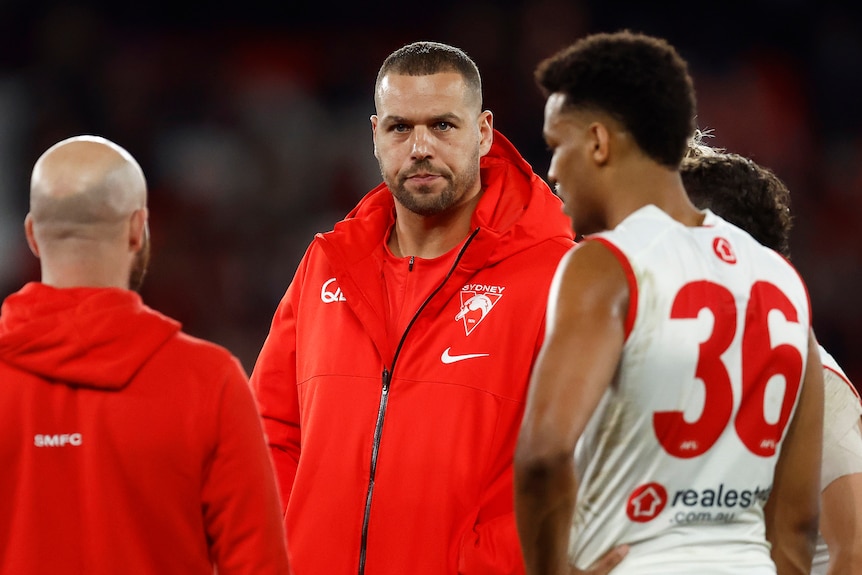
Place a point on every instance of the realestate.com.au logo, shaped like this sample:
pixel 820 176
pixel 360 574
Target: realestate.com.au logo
pixel 719 505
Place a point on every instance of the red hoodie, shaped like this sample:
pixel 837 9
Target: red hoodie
pixel 127 446
pixel 394 454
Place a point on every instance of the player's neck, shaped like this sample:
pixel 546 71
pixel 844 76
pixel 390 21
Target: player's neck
pixel 429 236
pixel 85 264
pixel 659 186
pixel 673 199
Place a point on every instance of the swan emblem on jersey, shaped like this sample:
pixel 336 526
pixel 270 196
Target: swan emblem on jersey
pixel 646 502
pixel 477 301
pixel 724 250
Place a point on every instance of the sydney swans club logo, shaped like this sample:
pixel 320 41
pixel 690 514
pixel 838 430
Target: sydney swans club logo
pixel 477 300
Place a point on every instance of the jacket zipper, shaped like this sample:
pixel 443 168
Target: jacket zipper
pixel 384 400
pixel 378 428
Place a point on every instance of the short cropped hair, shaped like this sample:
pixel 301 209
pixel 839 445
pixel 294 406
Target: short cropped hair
pixel 742 192
pixel 426 58
pixel 639 80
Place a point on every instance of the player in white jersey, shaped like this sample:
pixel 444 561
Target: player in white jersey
pixel 676 345
pixel 839 546
pixel 756 200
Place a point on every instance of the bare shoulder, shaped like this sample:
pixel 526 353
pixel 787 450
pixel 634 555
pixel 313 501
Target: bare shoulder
pixel 592 275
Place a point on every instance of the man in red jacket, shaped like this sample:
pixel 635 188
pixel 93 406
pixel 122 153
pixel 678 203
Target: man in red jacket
pixel 127 446
pixel 393 379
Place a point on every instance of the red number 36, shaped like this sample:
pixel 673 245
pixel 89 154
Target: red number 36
pixel 760 362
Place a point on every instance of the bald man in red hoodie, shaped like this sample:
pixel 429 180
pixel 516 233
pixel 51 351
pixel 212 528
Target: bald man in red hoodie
pixel 127 446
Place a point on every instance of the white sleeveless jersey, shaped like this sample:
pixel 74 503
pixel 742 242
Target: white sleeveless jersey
pixel 842 440
pixel 678 459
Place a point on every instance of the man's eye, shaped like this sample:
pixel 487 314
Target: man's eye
pixel 443 126
pixel 400 128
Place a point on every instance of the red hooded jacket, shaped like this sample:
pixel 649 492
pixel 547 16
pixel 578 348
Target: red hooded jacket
pixel 396 458
pixel 127 446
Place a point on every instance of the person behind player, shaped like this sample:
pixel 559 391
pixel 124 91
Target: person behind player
pixel 127 446
pixel 667 330
pixel 755 199
pixel 394 375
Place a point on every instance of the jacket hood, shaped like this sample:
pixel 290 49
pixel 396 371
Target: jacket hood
pixel 517 209
pixel 83 337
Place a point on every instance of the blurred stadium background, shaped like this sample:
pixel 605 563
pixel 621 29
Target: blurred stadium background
pixel 250 120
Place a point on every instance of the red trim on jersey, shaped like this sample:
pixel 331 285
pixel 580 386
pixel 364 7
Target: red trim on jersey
pixel 805 287
pixel 630 278
pixel 845 380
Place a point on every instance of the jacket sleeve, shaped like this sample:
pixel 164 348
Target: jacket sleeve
pixel 239 499
pixel 273 381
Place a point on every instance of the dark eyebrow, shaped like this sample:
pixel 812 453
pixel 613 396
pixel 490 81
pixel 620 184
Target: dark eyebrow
pixel 394 120
pixel 450 118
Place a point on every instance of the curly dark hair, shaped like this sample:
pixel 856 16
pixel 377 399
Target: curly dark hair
pixel 744 193
pixel 426 58
pixel 640 80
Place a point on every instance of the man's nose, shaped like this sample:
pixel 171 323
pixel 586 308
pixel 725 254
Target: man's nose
pixel 421 143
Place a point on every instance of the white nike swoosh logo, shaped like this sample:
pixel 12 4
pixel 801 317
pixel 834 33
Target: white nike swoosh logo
pixel 446 358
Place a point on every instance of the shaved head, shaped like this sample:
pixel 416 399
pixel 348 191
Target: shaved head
pixel 83 181
pixel 84 193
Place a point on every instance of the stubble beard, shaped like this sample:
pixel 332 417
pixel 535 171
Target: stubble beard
pixel 424 200
pixel 140 264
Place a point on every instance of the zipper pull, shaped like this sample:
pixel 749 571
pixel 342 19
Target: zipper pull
pixel 410 265
pixel 386 379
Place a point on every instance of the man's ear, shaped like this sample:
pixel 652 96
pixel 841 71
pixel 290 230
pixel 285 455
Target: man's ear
pixel 486 132
pixel 138 229
pixel 601 143
pixel 374 121
pixel 30 235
